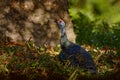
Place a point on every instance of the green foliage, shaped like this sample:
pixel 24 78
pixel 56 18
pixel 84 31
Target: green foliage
pixel 97 33
pixel 103 9
pixel 99 28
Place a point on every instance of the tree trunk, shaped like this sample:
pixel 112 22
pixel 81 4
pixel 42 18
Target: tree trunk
pixel 21 20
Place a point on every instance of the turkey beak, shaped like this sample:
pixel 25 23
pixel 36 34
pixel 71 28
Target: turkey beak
pixel 56 21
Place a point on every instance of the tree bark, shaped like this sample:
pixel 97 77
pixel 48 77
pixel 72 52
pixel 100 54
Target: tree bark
pixel 21 20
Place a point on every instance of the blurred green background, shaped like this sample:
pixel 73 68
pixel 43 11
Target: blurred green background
pixel 96 22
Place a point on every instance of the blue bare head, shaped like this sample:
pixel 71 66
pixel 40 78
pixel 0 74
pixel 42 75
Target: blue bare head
pixel 61 24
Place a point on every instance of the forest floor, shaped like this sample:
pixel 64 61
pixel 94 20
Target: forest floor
pixel 26 62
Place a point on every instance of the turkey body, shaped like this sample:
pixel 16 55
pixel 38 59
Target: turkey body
pixel 77 55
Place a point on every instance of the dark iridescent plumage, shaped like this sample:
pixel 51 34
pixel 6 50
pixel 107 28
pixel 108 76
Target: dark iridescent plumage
pixel 73 52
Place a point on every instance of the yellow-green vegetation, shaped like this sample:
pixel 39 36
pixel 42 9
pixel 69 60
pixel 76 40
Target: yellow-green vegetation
pixel 28 62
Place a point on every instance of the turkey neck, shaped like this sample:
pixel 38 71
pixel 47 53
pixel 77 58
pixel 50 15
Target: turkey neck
pixel 64 40
pixel 63 31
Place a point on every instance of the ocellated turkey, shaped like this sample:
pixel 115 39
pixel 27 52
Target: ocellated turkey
pixel 77 55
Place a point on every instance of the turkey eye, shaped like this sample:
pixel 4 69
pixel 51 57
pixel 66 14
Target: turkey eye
pixel 60 21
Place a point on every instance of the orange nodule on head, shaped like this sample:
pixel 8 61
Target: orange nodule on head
pixel 60 20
